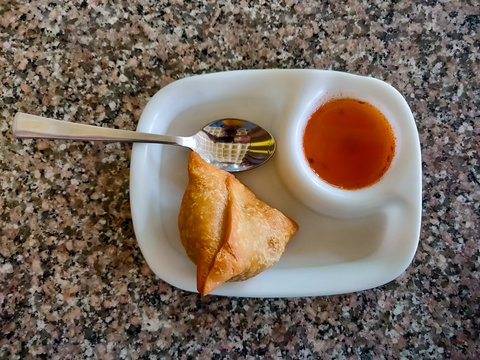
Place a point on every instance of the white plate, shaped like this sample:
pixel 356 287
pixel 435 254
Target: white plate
pixel 328 255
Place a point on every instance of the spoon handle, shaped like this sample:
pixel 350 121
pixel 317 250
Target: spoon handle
pixel 36 127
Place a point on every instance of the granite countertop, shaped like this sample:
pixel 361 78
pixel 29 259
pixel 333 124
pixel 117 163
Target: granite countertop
pixel 73 282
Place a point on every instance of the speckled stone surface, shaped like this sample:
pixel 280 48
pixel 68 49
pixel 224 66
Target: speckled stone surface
pixel 73 282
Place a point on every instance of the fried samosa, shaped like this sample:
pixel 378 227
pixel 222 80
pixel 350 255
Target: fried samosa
pixel 226 231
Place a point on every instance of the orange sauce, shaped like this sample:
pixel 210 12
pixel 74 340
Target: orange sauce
pixel 349 143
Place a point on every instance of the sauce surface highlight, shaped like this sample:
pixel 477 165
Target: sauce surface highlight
pixel 349 143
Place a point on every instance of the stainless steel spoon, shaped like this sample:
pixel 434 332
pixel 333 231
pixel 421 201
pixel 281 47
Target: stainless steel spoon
pixel 231 144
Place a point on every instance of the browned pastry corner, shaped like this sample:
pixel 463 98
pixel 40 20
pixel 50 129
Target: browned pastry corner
pixel 226 231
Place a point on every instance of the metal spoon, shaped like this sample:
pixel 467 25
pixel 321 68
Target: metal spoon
pixel 231 144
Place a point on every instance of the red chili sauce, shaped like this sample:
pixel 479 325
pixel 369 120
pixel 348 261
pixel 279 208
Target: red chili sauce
pixel 349 143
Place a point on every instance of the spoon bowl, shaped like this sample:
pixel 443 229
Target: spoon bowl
pixel 231 144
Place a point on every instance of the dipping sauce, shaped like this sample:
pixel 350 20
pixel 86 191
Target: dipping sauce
pixel 349 143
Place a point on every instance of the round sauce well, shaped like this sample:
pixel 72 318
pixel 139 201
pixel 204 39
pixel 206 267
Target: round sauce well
pixel 348 143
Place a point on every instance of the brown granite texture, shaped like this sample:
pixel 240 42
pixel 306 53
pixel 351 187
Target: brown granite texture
pixel 73 282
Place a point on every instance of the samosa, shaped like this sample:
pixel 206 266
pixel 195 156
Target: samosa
pixel 225 229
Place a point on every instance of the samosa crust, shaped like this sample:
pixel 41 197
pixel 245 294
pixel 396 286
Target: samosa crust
pixel 225 229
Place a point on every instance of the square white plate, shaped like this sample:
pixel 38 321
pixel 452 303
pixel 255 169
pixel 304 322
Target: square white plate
pixel 327 255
